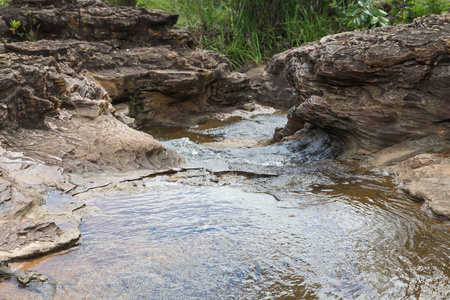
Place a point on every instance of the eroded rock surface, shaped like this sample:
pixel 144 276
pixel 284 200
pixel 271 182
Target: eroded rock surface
pixel 376 88
pixel 426 177
pixel 28 227
pixel 132 53
pixel 56 117
pixel 54 114
pixel 269 86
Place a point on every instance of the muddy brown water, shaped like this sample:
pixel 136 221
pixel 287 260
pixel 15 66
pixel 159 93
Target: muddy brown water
pixel 323 229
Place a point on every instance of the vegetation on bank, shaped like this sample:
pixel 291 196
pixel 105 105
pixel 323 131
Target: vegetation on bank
pixel 254 30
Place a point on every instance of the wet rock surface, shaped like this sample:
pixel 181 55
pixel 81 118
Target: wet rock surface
pixel 28 227
pixel 30 276
pixel 58 124
pixel 426 177
pixel 376 88
pixel 382 92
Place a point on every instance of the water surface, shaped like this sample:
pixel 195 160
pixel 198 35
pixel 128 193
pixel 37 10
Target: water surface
pixel 322 229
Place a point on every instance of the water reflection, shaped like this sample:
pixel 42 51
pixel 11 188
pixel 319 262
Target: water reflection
pixel 323 229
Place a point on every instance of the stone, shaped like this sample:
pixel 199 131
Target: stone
pixel 30 276
pixel 373 89
pixel 268 86
pixel 426 177
pixel 132 53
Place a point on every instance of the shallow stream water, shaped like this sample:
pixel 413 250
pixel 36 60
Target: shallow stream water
pixel 322 229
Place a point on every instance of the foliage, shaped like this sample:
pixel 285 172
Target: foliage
pixel 15 27
pixel 405 11
pixel 134 106
pixel 18 29
pixel 368 14
pixel 254 29
pixel 3 3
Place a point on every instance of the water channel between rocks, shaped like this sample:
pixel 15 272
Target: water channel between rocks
pixel 322 229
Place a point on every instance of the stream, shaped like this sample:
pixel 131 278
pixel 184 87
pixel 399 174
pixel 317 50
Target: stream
pixel 321 229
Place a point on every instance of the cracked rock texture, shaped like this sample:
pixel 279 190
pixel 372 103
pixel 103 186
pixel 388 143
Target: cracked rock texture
pixel 29 227
pixel 426 177
pixel 376 88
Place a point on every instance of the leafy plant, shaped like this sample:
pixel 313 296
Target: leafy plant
pixel 134 106
pixel 3 3
pixel 32 33
pixel 405 11
pixel 15 26
pixel 368 14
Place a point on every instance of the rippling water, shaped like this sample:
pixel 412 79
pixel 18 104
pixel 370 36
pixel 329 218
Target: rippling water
pixel 323 229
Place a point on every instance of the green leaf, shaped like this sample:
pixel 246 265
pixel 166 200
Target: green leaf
pixel 374 20
pixel 384 21
pixel 382 12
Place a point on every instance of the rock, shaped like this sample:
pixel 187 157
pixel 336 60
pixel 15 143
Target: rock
pixel 5 272
pixel 109 146
pixel 133 53
pixel 426 177
pixel 50 109
pixel 28 227
pixel 92 20
pixel 376 88
pixel 30 276
pixel 268 86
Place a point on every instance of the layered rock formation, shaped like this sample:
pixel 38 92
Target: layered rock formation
pixel 376 88
pixel 268 85
pixel 28 227
pixel 56 118
pixel 61 72
pixel 131 52
pixel 51 106
pixel 384 92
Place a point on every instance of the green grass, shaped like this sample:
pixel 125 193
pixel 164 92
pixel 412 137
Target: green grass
pixel 254 30
pixel 405 11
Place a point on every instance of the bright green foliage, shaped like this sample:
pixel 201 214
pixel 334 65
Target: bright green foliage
pixel 19 30
pixel 368 14
pixel 254 29
pixel 15 26
pixel 405 11
pixel 3 3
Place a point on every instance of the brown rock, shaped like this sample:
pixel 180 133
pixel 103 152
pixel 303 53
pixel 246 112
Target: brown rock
pixel 426 177
pixel 268 86
pixel 376 88
pixel 93 20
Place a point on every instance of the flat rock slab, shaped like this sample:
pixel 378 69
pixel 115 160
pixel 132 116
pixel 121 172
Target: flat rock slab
pixel 426 177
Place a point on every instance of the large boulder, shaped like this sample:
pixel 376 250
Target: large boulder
pixel 54 114
pixel 376 88
pixel 132 53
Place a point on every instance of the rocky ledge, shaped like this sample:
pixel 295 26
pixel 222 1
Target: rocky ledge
pixel 63 71
pixel 57 117
pixel 383 92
